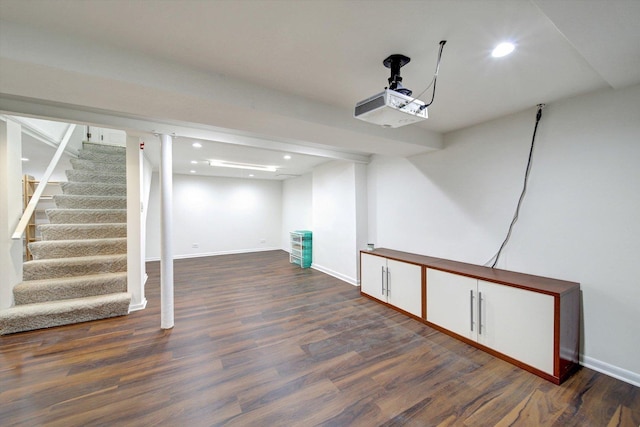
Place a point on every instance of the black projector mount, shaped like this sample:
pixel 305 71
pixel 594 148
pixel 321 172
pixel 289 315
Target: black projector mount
pixel 395 62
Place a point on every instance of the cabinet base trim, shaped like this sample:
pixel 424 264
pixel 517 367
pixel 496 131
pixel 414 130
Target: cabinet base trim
pixel 554 379
pixel 393 307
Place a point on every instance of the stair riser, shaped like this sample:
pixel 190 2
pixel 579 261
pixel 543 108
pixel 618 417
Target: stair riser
pixel 78 216
pixel 91 176
pixel 82 231
pixel 89 202
pixel 70 249
pixel 56 313
pixel 67 267
pixel 103 148
pixel 34 292
pixel 103 157
pixel 89 189
pixel 90 165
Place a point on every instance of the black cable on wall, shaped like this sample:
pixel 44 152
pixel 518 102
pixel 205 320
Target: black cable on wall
pixel 496 257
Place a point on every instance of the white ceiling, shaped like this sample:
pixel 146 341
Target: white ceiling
pixel 184 154
pixel 291 71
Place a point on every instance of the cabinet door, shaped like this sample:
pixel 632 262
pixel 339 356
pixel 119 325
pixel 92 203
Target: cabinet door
pixel 373 276
pixel 452 302
pixel 404 286
pixel 518 323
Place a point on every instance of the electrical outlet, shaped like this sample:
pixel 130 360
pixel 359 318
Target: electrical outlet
pixel 195 245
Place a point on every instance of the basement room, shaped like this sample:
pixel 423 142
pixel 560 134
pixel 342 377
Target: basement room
pixel 319 213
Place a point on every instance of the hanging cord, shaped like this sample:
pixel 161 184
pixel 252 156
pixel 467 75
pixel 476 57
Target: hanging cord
pixel 433 81
pixel 496 257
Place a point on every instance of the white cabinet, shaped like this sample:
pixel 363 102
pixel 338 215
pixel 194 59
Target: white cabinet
pixel 451 302
pixel 530 321
pixel 396 283
pixel 515 322
pixel 518 323
pixel 373 276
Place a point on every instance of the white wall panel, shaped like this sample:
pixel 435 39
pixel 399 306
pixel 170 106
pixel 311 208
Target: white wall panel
pixel 297 211
pixel 219 215
pixel 334 220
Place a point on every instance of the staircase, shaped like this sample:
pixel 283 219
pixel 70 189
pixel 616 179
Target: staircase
pixel 79 268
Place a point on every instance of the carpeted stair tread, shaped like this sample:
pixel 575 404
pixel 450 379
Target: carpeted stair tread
pixel 93 189
pixel 86 216
pixel 64 312
pixel 72 201
pixel 103 148
pixel 70 267
pixel 82 231
pixel 96 176
pixel 37 291
pixel 94 165
pixel 103 157
pixel 48 249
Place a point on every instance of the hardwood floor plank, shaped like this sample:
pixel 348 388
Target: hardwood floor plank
pixel 536 409
pixel 296 405
pixel 258 341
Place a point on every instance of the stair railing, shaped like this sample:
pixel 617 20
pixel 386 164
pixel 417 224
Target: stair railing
pixel 31 207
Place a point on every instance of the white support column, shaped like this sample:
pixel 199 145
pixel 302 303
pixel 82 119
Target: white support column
pixel 166 230
pixel 135 226
pixel 10 209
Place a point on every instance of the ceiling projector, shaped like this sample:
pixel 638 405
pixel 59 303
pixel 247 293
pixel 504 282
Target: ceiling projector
pixel 394 107
pixel 391 109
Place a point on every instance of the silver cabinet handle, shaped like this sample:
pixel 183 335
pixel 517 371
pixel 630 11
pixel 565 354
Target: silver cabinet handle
pixel 382 280
pixel 471 307
pixel 479 313
pixel 388 273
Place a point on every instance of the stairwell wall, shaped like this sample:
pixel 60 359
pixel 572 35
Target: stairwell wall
pixel 136 210
pixel 10 209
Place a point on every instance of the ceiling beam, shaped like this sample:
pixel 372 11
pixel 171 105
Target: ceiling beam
pixel 10 104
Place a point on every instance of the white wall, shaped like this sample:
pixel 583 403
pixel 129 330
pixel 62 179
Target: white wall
pixel 361 212
pixel 579 220
pixel 335 213
pixel 136 272
pixel 10 210
pixel 296 207
pixel 220 215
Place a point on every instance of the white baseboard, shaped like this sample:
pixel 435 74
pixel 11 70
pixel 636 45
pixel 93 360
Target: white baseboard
pixel 335 274
pixel 141 306
pixel 206 254
pixel 611 370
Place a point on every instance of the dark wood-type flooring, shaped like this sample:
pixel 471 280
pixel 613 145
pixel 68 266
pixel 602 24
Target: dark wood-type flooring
pixel 260 342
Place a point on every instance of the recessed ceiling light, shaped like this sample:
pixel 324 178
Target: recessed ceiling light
pixel 196 145
pixel 192 171
pixel 194 162
pixel 24 159
pixel 287 157
pixel 503 49
pixel 251 175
